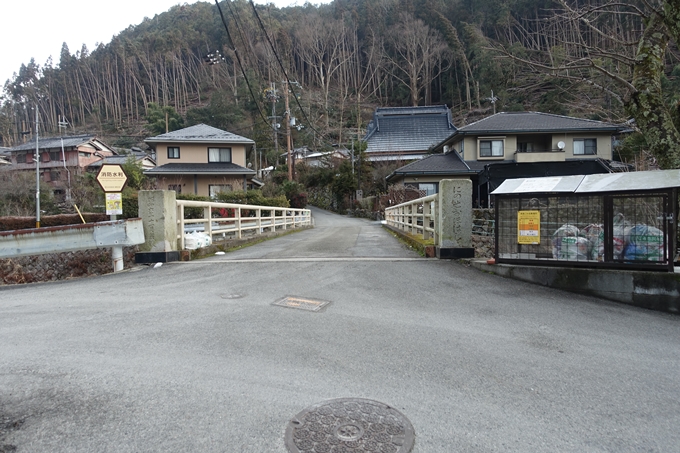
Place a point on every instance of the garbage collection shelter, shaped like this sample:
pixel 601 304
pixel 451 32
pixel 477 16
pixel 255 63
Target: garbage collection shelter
pixel 617 220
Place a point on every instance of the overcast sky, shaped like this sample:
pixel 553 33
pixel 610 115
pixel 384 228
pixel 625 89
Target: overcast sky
pixel 38 29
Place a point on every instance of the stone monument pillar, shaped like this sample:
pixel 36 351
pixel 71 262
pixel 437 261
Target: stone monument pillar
pixel 455 219
pixel 158 211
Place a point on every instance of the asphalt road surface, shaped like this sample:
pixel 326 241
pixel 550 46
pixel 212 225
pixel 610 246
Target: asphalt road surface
pixel 194 357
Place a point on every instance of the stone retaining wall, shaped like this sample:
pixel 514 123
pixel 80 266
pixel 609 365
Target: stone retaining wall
pixel 61 266
pixel 484 246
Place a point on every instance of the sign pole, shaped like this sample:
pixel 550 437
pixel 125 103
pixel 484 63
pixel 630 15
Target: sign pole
pixel 112 179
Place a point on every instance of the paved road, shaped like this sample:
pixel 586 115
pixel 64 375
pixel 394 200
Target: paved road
pixel 193 357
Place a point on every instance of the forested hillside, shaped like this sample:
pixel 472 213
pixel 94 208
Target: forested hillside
pixel 596 59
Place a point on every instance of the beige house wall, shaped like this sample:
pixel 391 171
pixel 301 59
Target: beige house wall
pixel 604 145
pixel 469 148
pixel 197 153
pixel 199 185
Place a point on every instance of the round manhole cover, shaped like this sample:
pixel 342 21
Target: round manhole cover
pixel 350 425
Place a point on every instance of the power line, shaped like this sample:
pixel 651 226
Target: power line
pixel 240 63
pixel 283 69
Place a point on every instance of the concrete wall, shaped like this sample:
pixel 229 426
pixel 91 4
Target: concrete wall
pixel 652 290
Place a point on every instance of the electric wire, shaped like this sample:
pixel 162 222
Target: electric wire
pixel 240 63
pixel 283 69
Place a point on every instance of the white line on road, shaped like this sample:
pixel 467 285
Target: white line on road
pixel 299 260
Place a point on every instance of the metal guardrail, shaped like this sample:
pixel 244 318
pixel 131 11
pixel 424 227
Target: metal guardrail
pixel 115 234
pixel 417 217
pixel 239 219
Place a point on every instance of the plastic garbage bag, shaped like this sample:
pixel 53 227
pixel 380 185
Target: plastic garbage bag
pixel 568 245
pixel 595 234
pixel 619 236
pixel 190 241
pixel 645 243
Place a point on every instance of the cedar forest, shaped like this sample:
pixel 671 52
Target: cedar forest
pixel 607 60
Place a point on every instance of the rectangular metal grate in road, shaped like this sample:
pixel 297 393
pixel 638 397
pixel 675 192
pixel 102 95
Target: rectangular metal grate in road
pixel 301 303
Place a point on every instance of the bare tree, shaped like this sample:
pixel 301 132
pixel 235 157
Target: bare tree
pixel 618 47
pixel 418 56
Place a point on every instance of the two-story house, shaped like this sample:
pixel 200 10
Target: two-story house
pixel 515 145
pixel 201 160
pixel 525 137
pixel 56 166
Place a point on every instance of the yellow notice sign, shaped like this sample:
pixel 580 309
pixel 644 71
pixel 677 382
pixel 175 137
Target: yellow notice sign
pixel 114 203
pixel 528 227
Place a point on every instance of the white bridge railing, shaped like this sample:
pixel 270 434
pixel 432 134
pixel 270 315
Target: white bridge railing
pixel 236 219
pixel 417 217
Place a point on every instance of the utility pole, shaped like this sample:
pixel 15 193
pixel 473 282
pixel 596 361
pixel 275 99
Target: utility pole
pixel 273 98
pixel 37 172
pixel 63 124
pixel 287 117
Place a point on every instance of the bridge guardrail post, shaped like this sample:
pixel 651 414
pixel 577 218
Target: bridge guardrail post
pixel 455 219
pixel 158 210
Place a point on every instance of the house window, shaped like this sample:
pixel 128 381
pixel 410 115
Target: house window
pixel 491 148
pixel 173 152
pixel 55 155
pixel 585 146
pixel 55 176
pixel 214 189
pixel 83 154
pixel 425 188
pixel 176 187
pixel 45 157
pixel 219 154
pixel 21 158
pixel 525 147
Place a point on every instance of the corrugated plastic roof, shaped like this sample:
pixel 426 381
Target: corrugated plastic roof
pixel 607 182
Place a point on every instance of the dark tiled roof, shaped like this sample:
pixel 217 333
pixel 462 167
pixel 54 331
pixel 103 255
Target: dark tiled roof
pixel 200 133
pixel 200 169
pixel 435 164
pixel 118 159
pixel 505 122
pixel 54 142
pixel 404 129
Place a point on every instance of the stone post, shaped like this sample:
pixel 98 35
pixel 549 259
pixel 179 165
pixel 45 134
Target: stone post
pixel 158 210
pixel 455 219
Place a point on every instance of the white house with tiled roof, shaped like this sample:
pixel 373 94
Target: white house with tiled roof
pixel 201 160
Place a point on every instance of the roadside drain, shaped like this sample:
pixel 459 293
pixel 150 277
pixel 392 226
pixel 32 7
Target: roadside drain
pixel 349 425
pixel 301 303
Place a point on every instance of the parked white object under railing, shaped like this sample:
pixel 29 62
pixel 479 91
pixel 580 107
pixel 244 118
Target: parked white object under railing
pixel 417 217
pixel 235 219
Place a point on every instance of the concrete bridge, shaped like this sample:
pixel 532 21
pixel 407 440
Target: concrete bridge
pixel 220 354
